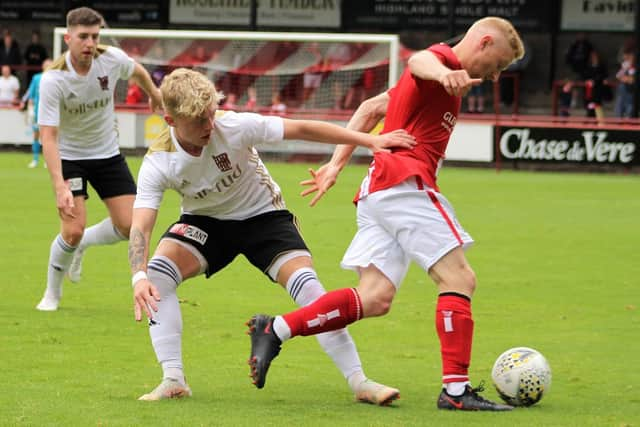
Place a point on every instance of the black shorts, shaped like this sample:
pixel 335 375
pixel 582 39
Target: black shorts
pixel 261 239
pixel 109 177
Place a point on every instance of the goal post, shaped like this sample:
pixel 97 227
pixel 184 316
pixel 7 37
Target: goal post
pixel 326 71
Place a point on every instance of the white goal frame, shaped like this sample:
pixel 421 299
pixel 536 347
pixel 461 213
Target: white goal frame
pixel 391 39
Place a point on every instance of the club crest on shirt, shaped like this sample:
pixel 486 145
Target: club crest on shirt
pixel 223 162
pixel 104 82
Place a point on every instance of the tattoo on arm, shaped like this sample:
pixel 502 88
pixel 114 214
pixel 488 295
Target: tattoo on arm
pixel 137 246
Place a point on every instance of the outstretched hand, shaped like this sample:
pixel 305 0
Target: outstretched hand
pixel 145 297
pixel 458 82
pixel 398 138
pixel 321 181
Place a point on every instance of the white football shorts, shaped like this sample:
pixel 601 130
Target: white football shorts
pixel 400 224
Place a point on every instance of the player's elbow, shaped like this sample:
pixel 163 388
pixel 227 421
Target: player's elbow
pixel 424 65
pixel 376 107
pixel 416 62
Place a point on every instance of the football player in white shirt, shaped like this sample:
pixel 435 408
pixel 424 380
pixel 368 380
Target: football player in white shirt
pixel 80 144
pixel 230 206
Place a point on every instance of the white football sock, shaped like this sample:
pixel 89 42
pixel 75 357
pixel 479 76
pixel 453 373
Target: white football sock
pixel 60 257
pixel 457 388
pixel 281 329
pixel 304 287
pixel 102 233
pixel 165 328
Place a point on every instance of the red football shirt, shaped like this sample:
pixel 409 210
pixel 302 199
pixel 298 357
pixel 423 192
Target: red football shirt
pixel 425 110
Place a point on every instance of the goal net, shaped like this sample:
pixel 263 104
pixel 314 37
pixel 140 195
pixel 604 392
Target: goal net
pixel 259 71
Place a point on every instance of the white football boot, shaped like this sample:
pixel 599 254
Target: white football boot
pixel 369 391
pixel 49 302
pixel 168 389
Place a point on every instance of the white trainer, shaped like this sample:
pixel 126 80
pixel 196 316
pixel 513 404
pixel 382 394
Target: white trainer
pixel 168 389
pixel 32 164
pixel 369 391
pixel 48 302
pixel 75 269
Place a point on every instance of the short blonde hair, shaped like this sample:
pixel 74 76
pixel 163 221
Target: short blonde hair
pixel 187 93
pixel 506 29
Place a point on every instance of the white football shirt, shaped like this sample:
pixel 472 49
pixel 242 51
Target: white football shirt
pixel 81 107
pixel 227 181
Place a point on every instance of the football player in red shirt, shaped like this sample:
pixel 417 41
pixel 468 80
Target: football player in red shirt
pixel 402 216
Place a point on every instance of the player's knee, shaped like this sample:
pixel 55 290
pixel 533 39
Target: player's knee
pixel 72 235
pixel 164 283
pixel 164 274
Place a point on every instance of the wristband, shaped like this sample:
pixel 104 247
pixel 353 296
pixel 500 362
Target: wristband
pixel 138 276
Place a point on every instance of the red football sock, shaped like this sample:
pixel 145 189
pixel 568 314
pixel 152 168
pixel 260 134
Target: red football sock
pixel 455 330
pixel 333 310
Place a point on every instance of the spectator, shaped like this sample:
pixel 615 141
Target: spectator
pixel 629 45
pixel 362 85
pixel 565 98
pixel 230 102
pixel 252 99
pixel 134 93
pixel 311 81
pixel 577 56
pixel 200 55
pixel 626 80
pixel 336 57
pixel 10 52
pixel 158 58
pixel 517 68
pixel 312 78
pixel 595 75
pixel 158 73
pixel 134 52
pixel 9 87
pixel 361 89
pixel 475 99
pixel 34 55
pixel 277 106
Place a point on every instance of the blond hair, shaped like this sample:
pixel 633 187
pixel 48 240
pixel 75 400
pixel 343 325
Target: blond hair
pixel 187 93
pixel 505 28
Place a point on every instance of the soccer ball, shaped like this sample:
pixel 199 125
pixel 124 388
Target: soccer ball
pixel 521 376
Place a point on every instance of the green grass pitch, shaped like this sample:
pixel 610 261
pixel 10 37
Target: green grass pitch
pixel 558 270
